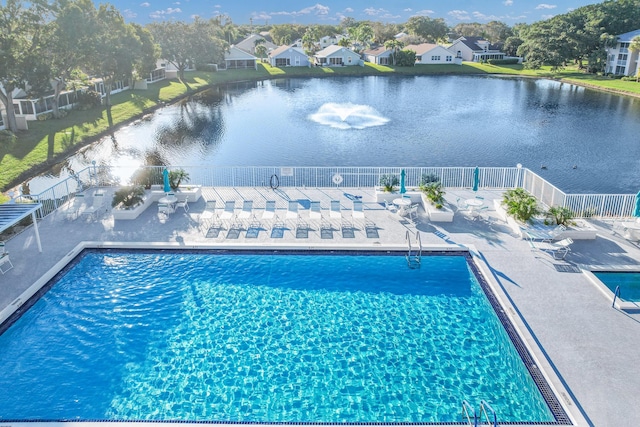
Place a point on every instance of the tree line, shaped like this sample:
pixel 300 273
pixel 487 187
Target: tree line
pixel 54 45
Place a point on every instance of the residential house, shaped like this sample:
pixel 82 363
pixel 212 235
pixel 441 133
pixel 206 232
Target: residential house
pixel 237 58
pixel 620 60
pixel 475 49
pixel 327 41
pixel 380 56
pixel 429 53
pixel 335 55
pixel 288 56
pixel 249 44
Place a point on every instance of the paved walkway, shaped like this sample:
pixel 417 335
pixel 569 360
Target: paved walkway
pixel 593 347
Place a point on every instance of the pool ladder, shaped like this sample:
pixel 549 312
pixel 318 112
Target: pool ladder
pixel 414 257
pixel 476 419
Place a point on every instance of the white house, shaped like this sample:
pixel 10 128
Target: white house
pixel 381 56
pixel 288 56
pixel 474 49
pixel 237 58
pixel 249 44
pixel 327 41
pixel 335 55
pixel 428 53
pixel 620 60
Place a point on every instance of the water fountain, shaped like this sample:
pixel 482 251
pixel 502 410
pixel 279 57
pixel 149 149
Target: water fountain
pixel 348 116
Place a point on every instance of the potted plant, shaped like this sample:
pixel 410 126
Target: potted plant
pixel 176 177
pixel 559 215
pixel 520 205
pixel 388 182
pixel 128 197
pixel 434 192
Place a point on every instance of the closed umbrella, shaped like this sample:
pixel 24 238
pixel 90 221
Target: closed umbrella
pixel 402 175
pixel 636 210
pixel 476 179
pixel 165 177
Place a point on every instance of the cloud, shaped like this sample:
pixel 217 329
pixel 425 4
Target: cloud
pixel 407 9
pixel 217 6
pixel 317 10
pixel 423 12
pixel 508 2
pixel 177 3
pixel 374 12
pixel 546 6
pixel 348 10
pixel 460 15
pixel 128 13
pixel 482 17
pixel 161 13
pixel 261 16
pixel 145 4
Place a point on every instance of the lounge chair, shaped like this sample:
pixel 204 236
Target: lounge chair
pixel 357 212
pixel 96 206
pixel 74 209
pixel 269 210
pixel 335 212
pixel 390 207
pixel 558 250
pixel 184 204
pixel 208 216
pixel 5 261
pixel 292 210
pixel 315 212
pixel 247 209
pixel 229 208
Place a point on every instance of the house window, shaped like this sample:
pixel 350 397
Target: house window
pixel 435 57
pixel 459 54
pixel 620 69
pixel 282 62
pixel 27 107
pixel 449 58
pixel 622 57
pixel 419 58
pixel 1 121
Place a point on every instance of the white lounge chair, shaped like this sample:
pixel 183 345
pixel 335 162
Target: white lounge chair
pixel 390 207
pixel 269 210
pixel 558 250
pixel 5 261
pixel 73 210
pixel 315 211
pixel 96 206
pixel 229 208
pixel 208 216
pixel 335 212
pixel 247 209
pixel 292 210
pixel 357 211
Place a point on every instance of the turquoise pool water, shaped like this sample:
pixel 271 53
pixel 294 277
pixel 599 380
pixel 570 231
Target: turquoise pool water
pixel 256 338
pixel 629 283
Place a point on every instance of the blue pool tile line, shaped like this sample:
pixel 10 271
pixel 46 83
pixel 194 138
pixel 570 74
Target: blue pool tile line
pixel 556 408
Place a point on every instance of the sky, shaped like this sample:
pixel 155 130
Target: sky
pixel 332 11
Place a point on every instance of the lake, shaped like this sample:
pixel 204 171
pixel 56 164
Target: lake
pixel 579 139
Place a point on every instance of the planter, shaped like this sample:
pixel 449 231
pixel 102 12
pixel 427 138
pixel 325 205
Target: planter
pixel 382 196
pixel 445 214
pixel 134 213
pixel 194 192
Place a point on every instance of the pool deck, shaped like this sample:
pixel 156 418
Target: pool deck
pixel 593 347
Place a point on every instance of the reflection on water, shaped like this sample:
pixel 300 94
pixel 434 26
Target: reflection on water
pixel 586 140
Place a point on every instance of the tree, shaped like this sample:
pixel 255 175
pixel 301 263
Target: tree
pixel 406 58
pixel 148 55
pixel 261 51
pixel 362 34
pixel 309 40
pixel 511 45
pixel 394 46
pixel 432 30
pixel 344 42
pixel 23 30
pixel 635 47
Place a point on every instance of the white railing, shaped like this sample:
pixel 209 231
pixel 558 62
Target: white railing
pixel 490 178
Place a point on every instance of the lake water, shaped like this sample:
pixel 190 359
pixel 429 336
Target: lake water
pixel 579 139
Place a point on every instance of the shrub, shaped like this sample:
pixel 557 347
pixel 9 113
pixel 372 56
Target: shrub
pixel 7 137
pixel 176 177
pixel 406 58
pixel 389 182
pixel 434 192
pixel 128 197
pixel 428 178
pixel 520 204
pixel 509 61
pixel 89 99
pixel 559 216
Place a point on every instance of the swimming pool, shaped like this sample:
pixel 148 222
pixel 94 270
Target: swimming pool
pixel 628 282
pixel 195 336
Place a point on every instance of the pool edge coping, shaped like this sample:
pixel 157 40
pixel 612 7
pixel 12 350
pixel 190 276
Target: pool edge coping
pixel 620 304
pixel 549 373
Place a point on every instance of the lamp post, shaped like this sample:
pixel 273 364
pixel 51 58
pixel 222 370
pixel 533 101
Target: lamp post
pixel 519 177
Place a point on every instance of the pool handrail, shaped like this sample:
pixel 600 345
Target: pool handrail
pixel 466 408
pixel 616 295
pixel 483 409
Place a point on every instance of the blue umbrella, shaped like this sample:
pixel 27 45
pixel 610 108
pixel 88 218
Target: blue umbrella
pixel 165 177
pixel 402 175
pixel 476 179
pixel 636 211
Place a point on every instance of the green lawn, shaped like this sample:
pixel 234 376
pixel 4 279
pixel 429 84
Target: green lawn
pixel 49 141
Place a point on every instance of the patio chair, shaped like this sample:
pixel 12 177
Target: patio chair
pixel 357 211
pixel 5 261
pixel 74 209
pixel 269 210
pixel 247 209
pixel 184 204
pixel 315 211
pixel 412 212
pixel 558 250
pixel 335 212
pixel 292 210
pixel 96 206
pixel 165 209
pixel 208 215
pixel 390 207
pixel 229 208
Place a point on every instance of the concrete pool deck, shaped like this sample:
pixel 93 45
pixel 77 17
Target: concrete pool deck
pixel 592 347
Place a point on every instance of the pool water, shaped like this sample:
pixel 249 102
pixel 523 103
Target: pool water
pixel 263 338
pixel 629 283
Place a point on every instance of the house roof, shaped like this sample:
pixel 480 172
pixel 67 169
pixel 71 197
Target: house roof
pixel 237 53
pixel 471 42
pixel 422 48
pixel 285 48
pixel 627 37
pixel 248 44
pixel 330 50
pixel 377 52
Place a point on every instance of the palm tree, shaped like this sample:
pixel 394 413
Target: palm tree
pixel 635 47
pixel 261 51
pixel 394 45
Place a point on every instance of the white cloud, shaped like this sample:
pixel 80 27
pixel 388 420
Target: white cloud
pixel 261 16
pixel 348 10
pixel 546 6
pixel 482 17
pixel 161 13
pixel 145 4
pixel 217 6
pixel 317 10
pixel 508 2
pixel 547 16
pixel 128 13
pixel 195 16
pixel 460 15
pixel 374 12
pixel 177 3
pixel 423 12
pixel 407 9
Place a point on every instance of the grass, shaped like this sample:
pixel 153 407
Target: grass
pixel 47 142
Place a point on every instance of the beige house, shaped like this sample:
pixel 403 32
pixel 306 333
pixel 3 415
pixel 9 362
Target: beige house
pixel 335 56
pixel 428 53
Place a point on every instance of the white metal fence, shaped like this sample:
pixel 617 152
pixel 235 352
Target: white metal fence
pixel 583 205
